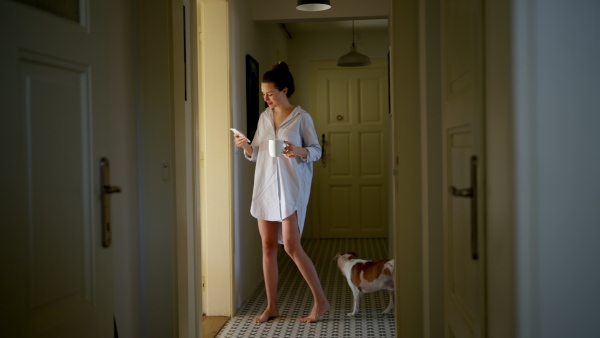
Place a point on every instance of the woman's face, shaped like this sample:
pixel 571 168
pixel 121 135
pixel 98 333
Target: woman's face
pixel 273 96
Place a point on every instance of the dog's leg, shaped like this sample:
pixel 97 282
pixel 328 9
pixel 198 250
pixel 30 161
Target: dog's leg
pixel 356 293
pixel 392 301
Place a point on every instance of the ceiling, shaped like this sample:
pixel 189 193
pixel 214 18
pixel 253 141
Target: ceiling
pixel 336 26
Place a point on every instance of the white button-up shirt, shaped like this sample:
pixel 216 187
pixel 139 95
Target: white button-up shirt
pixel 282 185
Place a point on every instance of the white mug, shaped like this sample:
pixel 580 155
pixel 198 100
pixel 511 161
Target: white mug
pixel 275 147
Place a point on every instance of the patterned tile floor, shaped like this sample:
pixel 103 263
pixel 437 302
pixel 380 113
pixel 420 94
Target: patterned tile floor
pixel 295 299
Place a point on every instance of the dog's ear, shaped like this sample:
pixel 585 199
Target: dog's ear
pixel 336 257
pixel 352 254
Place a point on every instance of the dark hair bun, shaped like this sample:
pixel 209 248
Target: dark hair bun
pixel 282 66
pixel 281 77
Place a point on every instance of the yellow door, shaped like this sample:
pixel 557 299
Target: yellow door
pixel 351 119
pixel 462 90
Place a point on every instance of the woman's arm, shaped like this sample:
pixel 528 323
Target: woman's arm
pixel 310 140
pixel 291 150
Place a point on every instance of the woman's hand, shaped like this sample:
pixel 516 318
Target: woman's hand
pixel 242 142
pixel 291 150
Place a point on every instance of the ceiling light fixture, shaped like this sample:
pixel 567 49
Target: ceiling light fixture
pixel 354 58
pixel 313 5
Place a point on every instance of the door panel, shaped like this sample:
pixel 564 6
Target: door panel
pixel 340 200
pixel 352 182
pixel 371 206
pixel 371 160
pixel 462 270
pixel 336 101
pixel 57 125
pixel 462 90
pixel 56 112
pixel 369 90
pixel 340 144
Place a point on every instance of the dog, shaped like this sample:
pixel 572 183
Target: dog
pixel 366 276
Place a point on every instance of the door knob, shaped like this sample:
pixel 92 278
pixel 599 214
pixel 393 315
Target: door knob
pixel 107 190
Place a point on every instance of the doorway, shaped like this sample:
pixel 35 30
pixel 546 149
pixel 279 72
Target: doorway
pixel 351 179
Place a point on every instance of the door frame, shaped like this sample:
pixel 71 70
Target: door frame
pixel 216 158
pixel 407 185
pixel 431 162
pixel 168 174
pixel 413 28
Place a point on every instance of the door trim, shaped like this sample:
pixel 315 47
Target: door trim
pixel 406 143
pixel 216 159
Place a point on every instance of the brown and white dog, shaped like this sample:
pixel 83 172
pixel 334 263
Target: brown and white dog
pixel 367 276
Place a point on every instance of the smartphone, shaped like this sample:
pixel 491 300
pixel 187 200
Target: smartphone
pixel 235 131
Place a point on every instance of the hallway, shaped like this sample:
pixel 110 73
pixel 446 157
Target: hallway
pixel 295 299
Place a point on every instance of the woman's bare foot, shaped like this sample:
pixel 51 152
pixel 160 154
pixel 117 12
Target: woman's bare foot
pixel 268 314
pixel 317 312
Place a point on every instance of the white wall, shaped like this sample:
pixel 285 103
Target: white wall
pixel 557 105
pixel 264 43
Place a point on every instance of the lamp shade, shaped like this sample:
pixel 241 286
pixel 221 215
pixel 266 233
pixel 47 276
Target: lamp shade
pixel 353 59
pixel 313 5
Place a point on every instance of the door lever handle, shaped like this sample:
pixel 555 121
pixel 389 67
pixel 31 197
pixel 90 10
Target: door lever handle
pixel 111 189
pixel 467 192
pixel 323 152
pixel 107 189
pixel 471 193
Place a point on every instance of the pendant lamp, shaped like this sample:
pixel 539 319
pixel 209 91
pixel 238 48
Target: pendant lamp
pixel 354 58
pixel 313 5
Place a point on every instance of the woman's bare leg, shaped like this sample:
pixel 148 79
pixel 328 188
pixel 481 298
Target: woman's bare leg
pixel 291 243
pixel 268 233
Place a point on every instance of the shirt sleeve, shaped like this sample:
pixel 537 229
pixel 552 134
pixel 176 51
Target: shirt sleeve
pixel 255 142
pixel 254 153
pixel 310 140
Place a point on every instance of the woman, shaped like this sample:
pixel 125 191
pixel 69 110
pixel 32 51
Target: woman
pixel 282 186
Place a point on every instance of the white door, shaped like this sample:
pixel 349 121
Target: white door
pixel 351 120
pixel 462 91
pixel 58 95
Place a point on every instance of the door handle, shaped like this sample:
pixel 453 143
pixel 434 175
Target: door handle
pixel 106 191
pixel 472 194
pixel 468 192
pixel 323 152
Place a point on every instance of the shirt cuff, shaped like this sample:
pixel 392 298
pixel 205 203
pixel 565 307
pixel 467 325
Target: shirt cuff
pixel 254 152
pixel 310 156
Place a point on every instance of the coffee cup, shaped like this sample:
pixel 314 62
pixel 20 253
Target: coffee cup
pixel 275 147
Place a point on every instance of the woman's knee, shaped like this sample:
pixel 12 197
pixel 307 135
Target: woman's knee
pixel 291 248
pixel 269 247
